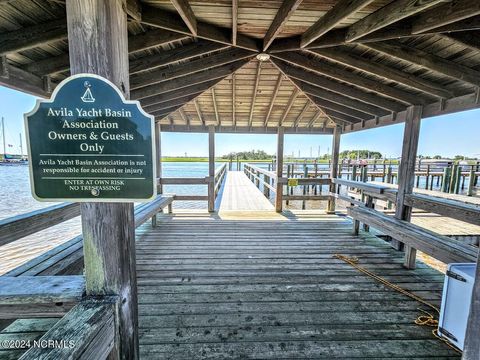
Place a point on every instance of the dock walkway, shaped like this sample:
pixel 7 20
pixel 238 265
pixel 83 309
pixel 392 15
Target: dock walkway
pixel 214 287
pixel 239 193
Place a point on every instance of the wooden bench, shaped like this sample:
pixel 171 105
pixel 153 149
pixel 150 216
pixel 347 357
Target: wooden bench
pixel 67 259
pixel 440 247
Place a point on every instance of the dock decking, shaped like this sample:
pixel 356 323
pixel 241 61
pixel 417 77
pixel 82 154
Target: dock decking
pixel 269 288
pixel 239 193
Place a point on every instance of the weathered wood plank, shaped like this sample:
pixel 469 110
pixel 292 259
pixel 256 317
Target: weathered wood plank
pixel 334 166
pixel 186 13
pixel 90 326
pixel 19 226
pixel 286 10
pixel 332 18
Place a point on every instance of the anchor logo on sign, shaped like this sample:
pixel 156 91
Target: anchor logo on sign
pixel 87 96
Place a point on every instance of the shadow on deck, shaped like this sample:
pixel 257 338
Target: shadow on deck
pixel 268 287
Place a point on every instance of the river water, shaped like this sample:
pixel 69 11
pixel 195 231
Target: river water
pixel 16 198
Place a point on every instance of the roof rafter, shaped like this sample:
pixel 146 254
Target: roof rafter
pixel 465 38
pixel 169 57
pixel 302 113
pixel 188 68
pixel 234 22
pixel 283 14
pixel 393 12
pixel 186 13
pixel 325 83
pixel 428 61
pixel 184 116
pixel 346 76
pixel 315 117
pixel 274 96
pixel 292 99
pixel 342 10
pixel 254 94
pixel 33 36
pixel 171 103
pixel 215 108
pixel 158 18
pixel 186 81
pixel 199 113
pixel 175 94
pixel 140 42
pixel 446 14
pixel 378 69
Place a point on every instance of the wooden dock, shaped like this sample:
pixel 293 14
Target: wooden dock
pixel 239 193
pixel 231 289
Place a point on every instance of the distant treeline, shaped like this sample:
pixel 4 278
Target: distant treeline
pixel 248 155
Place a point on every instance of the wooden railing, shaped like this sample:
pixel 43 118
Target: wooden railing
pixel 438 246
pixel 271 184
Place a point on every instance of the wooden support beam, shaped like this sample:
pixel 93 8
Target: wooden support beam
pixel 337 132
pixel 33 36
pixel 471 349
pixel 186 13
pixel 245 130
pixel 468 39
pixel 169 57
pixel 302 114
pixel 445 14
pixel 406 173
pixel 140 42
pixel 292 99
pixel 171 103
pixel 315 118
pixel 134 9
pixel 286 10
pixel 342 10
pixel 274 96
pixel 389 73
pixel 279 170
pixel 234 22
pixel 158 18
pixel 199 112
pixel 326 69
pixel 179 94
pixel 4 66
pixel 108 228
pixel 215 108
pixel 19 79
pixel 336 87
pixel 184 116
pixel 187 81
pixel 353 114
pixel 211 169
pixel 393 12
pixel 194 66
pixel 428 61
pixel 234 120
pixel 340 99
pixel 254 94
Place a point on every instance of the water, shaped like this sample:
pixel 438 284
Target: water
pixel 16 198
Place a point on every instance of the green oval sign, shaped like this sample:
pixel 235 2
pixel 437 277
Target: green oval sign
pixel 87 143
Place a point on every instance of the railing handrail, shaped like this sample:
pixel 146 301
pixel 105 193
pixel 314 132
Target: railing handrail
pixel 270 174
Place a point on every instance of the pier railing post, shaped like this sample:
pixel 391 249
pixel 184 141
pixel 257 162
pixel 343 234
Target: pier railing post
pixel 108 228
pixel 211 169
pixel 334 167
pixel 279 170
pixel 158 150
pixel 406 173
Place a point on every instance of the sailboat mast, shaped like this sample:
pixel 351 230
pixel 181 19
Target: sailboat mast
pixel 3 137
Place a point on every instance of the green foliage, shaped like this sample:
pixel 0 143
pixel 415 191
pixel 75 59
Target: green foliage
pixel 248 155
pixel 362 154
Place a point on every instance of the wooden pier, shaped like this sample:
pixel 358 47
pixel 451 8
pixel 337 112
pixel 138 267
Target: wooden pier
pixel 243 283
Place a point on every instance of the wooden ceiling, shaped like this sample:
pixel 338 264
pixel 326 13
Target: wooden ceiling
pixel 354 63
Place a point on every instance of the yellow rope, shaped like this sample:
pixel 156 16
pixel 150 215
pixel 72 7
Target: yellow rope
pixel 423 320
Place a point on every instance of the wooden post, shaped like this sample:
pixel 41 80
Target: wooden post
pixel 334 167
pixel 98 44
pixel 211 168
pixel 471 181
pixel 406 173
pixel 471 350
pixel 158 150
pixel 279 170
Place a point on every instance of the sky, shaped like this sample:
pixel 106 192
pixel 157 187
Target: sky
pixel 447 135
